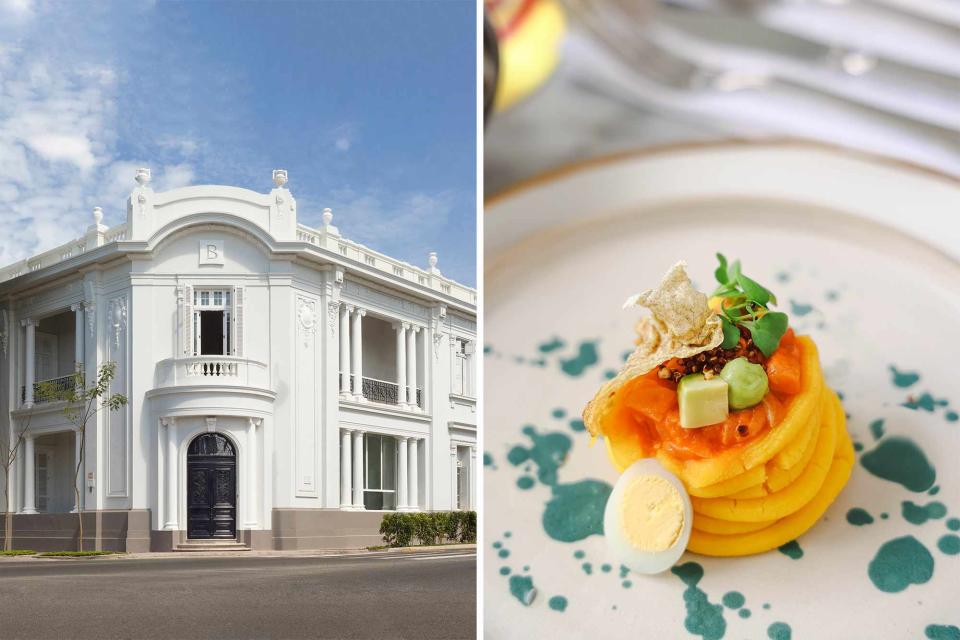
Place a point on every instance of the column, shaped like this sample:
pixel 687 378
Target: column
pixel 172 466
pixel 78 477
pixel 30 363
pixel 29 476
pixel 454 486
pixel 413 498
pixel 412 366
pixel 357 353
pixel 78 334
pixel 402 474
pixel 401 329
pixel 345 311
pixel 358 470
pixel 346 500
pixel 253 501
pixel 473 479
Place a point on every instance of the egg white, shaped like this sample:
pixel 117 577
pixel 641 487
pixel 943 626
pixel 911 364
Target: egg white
pixel 636 560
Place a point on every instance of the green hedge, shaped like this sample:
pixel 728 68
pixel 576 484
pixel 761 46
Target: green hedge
pixel 399 529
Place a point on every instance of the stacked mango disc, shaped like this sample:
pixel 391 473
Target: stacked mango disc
pixel 757 497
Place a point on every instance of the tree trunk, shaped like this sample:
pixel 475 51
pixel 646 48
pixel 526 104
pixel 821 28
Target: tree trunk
pixel 76 486
pixel 7 516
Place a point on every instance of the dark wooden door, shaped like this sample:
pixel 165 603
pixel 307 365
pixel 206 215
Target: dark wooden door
pixel 211 488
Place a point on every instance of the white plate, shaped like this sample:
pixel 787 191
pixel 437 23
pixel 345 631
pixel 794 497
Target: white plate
pixel 864 255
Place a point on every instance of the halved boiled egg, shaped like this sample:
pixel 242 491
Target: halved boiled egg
pixel 648 517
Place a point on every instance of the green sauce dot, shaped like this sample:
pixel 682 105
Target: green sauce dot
pixel 578 554
pixel 559 413
pixel 627 584
pixel 857 446
pixel 949 544
pixel 605 568
pixel 952 416
pixel 503 553
pixel 558 603
pixel 766 605
pixel 934 490
pixel 779 631
pixel 953 524
pixel 744 613
pixel 497 544
pixel 504 571
pixel 507 534
pixel 859 517
pixel 526 567
pixel 942 632
pixel 884 516
pixel 733 599
pixel 525 482
pixel 587 568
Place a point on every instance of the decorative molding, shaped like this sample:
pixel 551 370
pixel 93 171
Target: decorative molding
pixel 4 331
pixel 385 301
pixel 333 316
pixel 168 421
pixel 117 311
pixel 211 424
pixel 255 422
pixel 307 316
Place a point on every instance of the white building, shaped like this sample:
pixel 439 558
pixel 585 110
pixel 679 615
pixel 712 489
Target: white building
pixel 286 385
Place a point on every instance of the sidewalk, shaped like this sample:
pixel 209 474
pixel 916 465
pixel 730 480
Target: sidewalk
pixel 317 553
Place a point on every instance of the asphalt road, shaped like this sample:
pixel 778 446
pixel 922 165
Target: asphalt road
pixel 426 595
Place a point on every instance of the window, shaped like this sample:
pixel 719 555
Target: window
pixel 379 472
pixel 43 469
pixel 462 367
pixel 212 316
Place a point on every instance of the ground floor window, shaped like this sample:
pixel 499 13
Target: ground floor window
pixel 380 472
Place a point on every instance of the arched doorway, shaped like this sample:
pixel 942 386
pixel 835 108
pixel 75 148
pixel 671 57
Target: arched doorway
pixel 211 488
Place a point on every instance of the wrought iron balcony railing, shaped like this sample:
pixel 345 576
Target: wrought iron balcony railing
pixel 381 391
pixel 48 390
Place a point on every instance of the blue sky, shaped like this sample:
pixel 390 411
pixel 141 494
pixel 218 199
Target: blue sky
pixel 370 106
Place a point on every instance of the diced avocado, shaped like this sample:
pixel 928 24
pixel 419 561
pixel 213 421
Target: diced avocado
pixel 747 382
pixel 702 402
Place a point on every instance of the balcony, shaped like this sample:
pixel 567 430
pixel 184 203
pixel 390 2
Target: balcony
pixel 221 371
pixel 382 391
pixel 48 390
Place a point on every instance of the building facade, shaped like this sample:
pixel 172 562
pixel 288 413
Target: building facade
pixel 285 385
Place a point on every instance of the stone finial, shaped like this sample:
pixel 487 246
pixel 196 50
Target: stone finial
pixel 143 176
pixel 97 216
pixel 327 216
pixel 279 177
pixel 432 260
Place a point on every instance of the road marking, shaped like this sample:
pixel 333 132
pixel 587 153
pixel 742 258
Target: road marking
pixel 442 556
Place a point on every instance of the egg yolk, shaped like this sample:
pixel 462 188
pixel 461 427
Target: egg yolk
pixel 651 513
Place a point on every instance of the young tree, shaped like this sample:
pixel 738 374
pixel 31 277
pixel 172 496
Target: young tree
pixel 84 403
pixel 9 449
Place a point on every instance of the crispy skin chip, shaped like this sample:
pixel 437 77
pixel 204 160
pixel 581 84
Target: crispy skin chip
pixel 682 325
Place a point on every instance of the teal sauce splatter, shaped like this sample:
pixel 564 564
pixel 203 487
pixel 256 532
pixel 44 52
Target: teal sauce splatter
pixel 744 613
pixel 488 460
pixel 609 374
pixel 559 413
pixel 942 632
pixel 548 452
pixel 551 345
pixel 876 429
pixel 903 379
pixel 521 588
pixel 884 516
pixel 504 553
pixel 779 631
pixel 900 563
pixel 859 517
pixel 952 416
pixel 799 309
pixel 605 568
pixel 916 514
pixel 507 534
pixel 953 524
pixel 626 584
pixel 832 295
pixel 934 491
pixel 783 276
pixel 526 568
pixel 703 619
pixel 504 571
pixel 576 510
pixel 558 603
pixel 487 348
pixel 791 549
pixel 625 355
pixel 539 362
pixel 623 571
pixel 926 402
pixel 577 425
pixel 525 482
pixel 587 568
pixel 497 544
pixel 733 600
pixel 586 357
pixel 840 395
pixel 579 555
pixel 949 544
pixel 857 446
pixel 900 460
pixel 766 605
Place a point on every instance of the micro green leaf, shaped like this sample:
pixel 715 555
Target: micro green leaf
pixel 731 335
pixel 721 273
pixel 733 271
pixel 767 331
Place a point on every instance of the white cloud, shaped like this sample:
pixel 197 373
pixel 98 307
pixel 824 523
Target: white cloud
pixel 18 9
pixel 343 143
pixel 74 149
